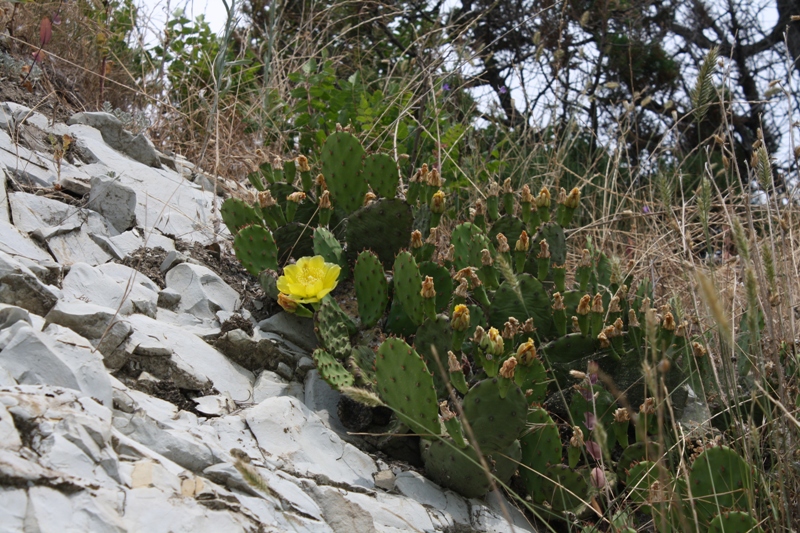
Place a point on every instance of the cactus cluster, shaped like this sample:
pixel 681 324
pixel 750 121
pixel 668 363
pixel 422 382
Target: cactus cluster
pixel 485 326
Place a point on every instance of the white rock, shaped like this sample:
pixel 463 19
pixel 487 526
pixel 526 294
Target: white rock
pixel 51 510
pixel 19 286
pixel 216 405
pixel 113 200
pixel 24 165
pixel 192 362
pixel 392 514
pixel 203 292
pixel 451 507
pixel 131 240
pixel 287 430
pixel 491 519
pixel 64 359
pixel 137 147
pixel 5 213
pixel 13 507
pixel 114 286
pixel 204 328
pixel 324 401
pixel 9 437
pixel 17 244
pixel 270 384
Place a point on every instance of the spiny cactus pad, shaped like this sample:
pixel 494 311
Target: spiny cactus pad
pixel 407 286
pixel 255 248
pixel 569 490
pixel 535 303
pixel 406 385
pixel 466 238
pixel 720 480
pixel 734 522
pixel 532 380
pixel 495 421
pixel 380 172
pixel 331 370
pixel 293 240
pixel 541 447
pixel 602 406
pixel 372 289
pixel 633 454
pixel 383 226
pixel 326 245
pixel 432 341
pixel 237 214
pixel 342 156
pixel 332 328
pixel 508 225
pixel 641 478
pixel 441 280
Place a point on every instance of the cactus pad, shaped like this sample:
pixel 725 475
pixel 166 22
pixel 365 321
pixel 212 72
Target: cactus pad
pixel 569 488
pixel 720 480
pixel 255 248
pixel 496 421
pixel 342 156
pixel 383 227
pixel 465 238
pixel 407 286
pixel 432 341
pixel 332 328
pixel 541 447
pixel 380 172
pixel 405 384
pixel 372 289
pixel 532 380
pixel 293 240
pixel 534 303
pixel 734 522
pixel 331 370
pixel 326 245
pixel 441 280
pixel 237 214
pixel 510 226
pixel 633 454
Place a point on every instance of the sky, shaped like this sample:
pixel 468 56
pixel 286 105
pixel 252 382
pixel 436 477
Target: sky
pixel 157 10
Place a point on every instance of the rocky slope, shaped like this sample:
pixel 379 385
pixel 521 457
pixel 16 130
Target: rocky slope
pixel 141 378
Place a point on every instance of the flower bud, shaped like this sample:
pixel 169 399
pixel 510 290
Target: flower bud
pixel 526 352
pixel 480 208
pixel 648 407
pixel 577 437
pixel 369 197
pixel 302 163
pixel 613 305
pixel 461 318
pixel 574 198
pixel 669 322
pixel 528 326
pixel 543 200
pixel 698 350
pixel 427 288
pixel 416 239
pixel 562 196
pixel 577 374
pixel 296 197
pixel 493 189
pixel 603 338
pixel 451 253
pixel 438 202
pixel 462 291
pixel 320 182
pixel 523 243
pixel 633 319
pixel 277 163
pixel 486 258
pixel 434 178
pixel 452 362
pixel 525 196
pixel 479 335
pixel 423 173
pixel 558 302
pixel 495 345
pixel 502 244
pixel 507 189
pixel 445 411
pixel 288 305
pixel 586 258
pixel 584 305
pixel 325 200
pixel 621 415
pixel 544 250
pixel 507 370
pixel 265 199
pixel 597 304
pixel 509 331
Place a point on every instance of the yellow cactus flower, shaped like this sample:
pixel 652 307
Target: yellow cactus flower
pixel 309 280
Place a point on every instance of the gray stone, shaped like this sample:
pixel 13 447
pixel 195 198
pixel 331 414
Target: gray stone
pixel 137 147
pixel 203 292
pixel 24 165
pixel 113 200
pixel 342 515
pixel 173 258
pixel 297 330
pixel 252 354
pixel 61 358
pixel 20 245
pixel 304 366
pixel 9 437
pixel 287 430
pixel 385 479
pixel 324 401
pixel 47 270
pixel 19 286
pixel 5 213
pixel 168 298
pixel 270 384
pixel 13 508
pixel 392 513
pixel 11 314
pixel 192 363
pixel 284 371
pixel 114 286
pixel 76 185
pixel 216 405
pixel 128 242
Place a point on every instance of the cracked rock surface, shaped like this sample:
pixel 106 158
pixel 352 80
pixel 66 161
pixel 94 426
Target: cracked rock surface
pixel 145 384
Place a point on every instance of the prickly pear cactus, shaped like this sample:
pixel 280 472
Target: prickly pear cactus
pixel 569 489
pixel 527 300
pixel 406 385
pixel 383 226
pixel 332 328
pixel 541 447
pixel 342 157
pixel 432 340
pixel 720 480
pixel 256 249
pixel 408 286
pixel 380 172
pixel 496 420
pixel 734 522
pixel 372 289
pixel 326 245
pixel 331 370
pixel 237 214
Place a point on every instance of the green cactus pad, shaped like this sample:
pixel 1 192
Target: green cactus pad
pixel 342 156
pixel 468 240
pixel 331 370
pixel 333 328
pixel 408 285
pixel 734 522
pixel 398 322
pixel 633 454
pixel 362 365
pixel 383 226
pixel 380 172
pixel 720 480
pixel 256 179
pixel 237 214
pixel 496 421
pixel 535 303
pixel 508 225
pixel 641 477
pixel 570 352
pixel 532 380
pixel 255 248
pixel 372 289
pixel 554 235
pixel 326 245
pixel 460 470
pixel 433 339
pixel 441 280
pixel 569 489
pixel 293 240
pixel 541 447
pixel 406 385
